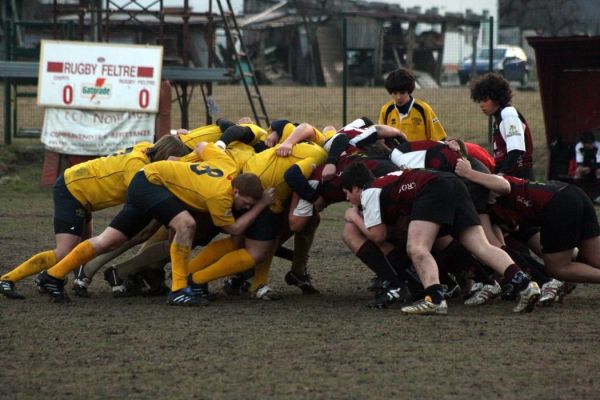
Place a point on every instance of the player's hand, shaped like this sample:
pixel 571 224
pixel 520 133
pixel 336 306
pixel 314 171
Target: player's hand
pixel 328 173
pixel 271 139
pixel 319 204
pixel 284 149
pixel 463 167
pixel 352 215
pixel 268 196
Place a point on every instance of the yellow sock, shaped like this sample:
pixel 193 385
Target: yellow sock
pixel 230 264
pixel 81 254
pixel 36 264
pixel 303 241
pixel 179 265
pixel 261 274
pixel 210 254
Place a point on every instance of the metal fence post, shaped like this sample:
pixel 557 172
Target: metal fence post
pixel 491 68
pixel 345 73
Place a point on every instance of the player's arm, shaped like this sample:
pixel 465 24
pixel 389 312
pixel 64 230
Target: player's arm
pixel 495 183
pixel 513 132
pixel 375 233
pixel 236 132
pixel 296 180
pixel 374 132
pixel 303 132
pixel 246 219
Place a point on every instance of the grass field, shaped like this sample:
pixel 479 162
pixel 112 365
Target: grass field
pixel 327 346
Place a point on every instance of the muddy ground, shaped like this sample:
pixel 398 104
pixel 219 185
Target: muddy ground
pixel 327 346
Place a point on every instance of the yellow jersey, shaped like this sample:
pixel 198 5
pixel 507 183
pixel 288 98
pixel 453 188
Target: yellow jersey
pixel 102 182
pixel 419 123
pixel 320 137
pixel 209 133
pixel 270 168
pixel 203 186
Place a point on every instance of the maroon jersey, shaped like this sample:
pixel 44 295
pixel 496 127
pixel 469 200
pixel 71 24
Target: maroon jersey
pixel 425 154
pixel 511 132
pixel 331 191
pixel 526 201
pixel 392 195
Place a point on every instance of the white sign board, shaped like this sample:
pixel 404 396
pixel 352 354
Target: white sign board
pixel 94 133
pixel 99 76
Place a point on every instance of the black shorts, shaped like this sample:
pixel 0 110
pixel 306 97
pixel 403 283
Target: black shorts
pixel 446 202
pixel 205 228
pixel 266 226
pixel 69 214
pixel 569 218
pixel 146 201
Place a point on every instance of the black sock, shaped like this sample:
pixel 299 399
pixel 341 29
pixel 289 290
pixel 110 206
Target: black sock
pixel 436 292
pixel 285 253
pixel 529 264
pixel 372 256
pixel 456 257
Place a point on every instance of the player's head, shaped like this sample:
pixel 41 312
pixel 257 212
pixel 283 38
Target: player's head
pixel 400 80
pixel 166 146
pixel 354 179
pixel 491 86
pixel 588 138
pixel 247 190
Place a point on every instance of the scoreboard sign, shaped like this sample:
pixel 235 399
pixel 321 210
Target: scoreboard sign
pixel 99 76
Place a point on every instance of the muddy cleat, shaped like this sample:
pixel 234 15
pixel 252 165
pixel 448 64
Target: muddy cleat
pixel 528 297
pixel 52 286
pixel 235 286
pixel 81 284
pixel 483 294
pixel 426 307
pixel 566 289
pixel 388 296
pixel 550 292
pixel 7 288
pixel 117 285
pixel 264 292
pixel 185 297
pixel 302 281
pixel 376 285
pixel 201 290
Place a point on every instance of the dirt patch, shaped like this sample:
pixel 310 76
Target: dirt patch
pixel 326 346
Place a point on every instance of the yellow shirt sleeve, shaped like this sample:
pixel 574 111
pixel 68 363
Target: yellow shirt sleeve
pixel 220 210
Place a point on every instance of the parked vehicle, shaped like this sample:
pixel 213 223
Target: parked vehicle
pixel 510 61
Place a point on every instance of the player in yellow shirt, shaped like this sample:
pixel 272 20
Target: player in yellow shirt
pixel 168 191
pixel 260 238
pixel 82 189
pixel 413 117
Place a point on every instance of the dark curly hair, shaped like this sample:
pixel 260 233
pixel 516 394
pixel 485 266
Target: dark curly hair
pixel 491 86
pixel 400 80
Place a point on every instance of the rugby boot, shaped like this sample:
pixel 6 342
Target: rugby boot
pixel 81 284
pixel 186 298
pixel 426 307
pixel 528 297
pixel 388 295
pixel 201 290
pixel 52 286
pixel 483 294
pixel 7 288
pixel 117 284
pixel 549 293
pixel 301 281
pixel 264 292
pixel 235 286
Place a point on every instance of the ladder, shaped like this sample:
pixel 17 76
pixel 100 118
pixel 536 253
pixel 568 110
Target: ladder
pixel 234 36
